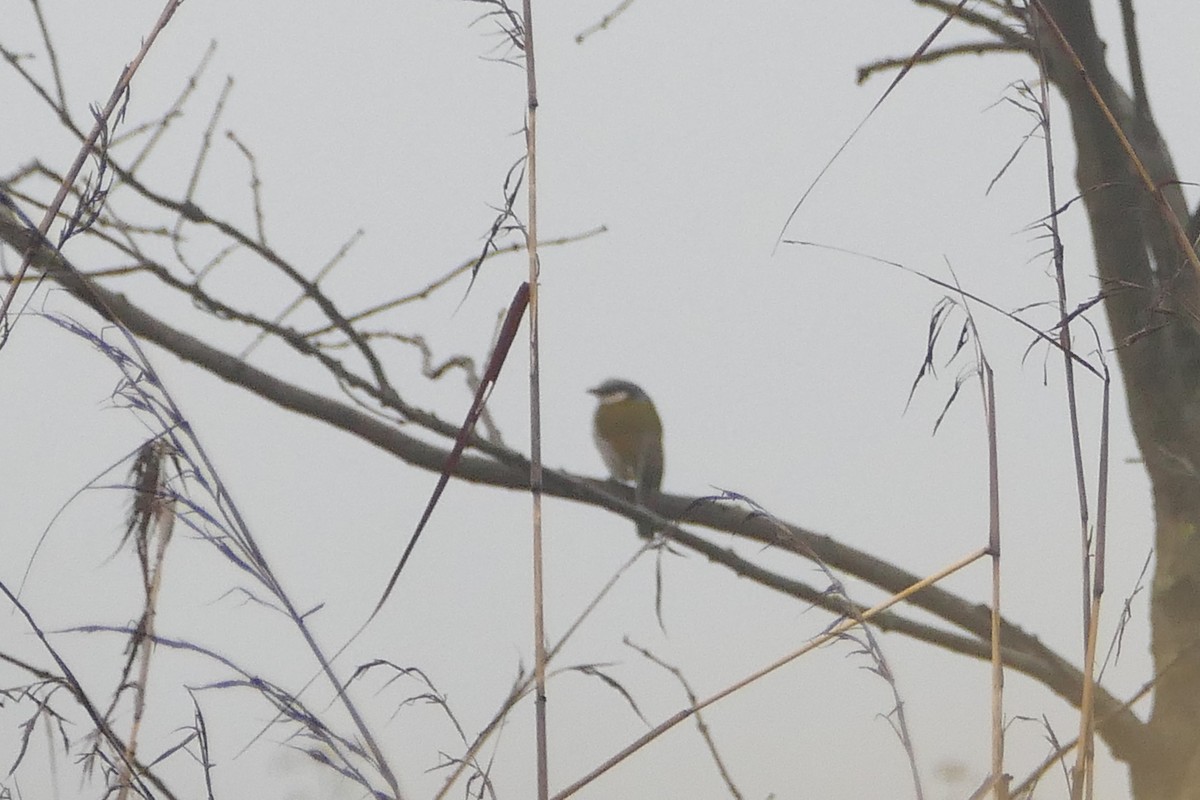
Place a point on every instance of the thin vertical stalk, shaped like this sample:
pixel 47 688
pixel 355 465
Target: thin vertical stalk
pixel 1092 577
pixel 535 409
pixel 153 518
pixel 1064 340
pixel 999 783
pixel 1083 773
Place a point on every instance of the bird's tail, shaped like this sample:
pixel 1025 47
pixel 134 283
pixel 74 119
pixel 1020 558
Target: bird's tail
pixel 644 530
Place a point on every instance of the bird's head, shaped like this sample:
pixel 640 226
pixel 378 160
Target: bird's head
pixel 617 391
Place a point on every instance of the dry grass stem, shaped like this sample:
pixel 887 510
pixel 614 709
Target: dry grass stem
pixel 701 725
pixel 832 634
pixel 99 130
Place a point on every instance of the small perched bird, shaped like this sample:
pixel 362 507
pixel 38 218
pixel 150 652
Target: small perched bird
pixel 629 435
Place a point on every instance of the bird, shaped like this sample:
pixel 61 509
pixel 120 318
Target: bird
pixel 629 435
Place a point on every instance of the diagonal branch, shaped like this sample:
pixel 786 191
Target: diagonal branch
pixel 508 469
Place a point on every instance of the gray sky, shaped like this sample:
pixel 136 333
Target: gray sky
pixel 689 134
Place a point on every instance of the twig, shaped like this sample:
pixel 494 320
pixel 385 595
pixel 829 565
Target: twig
pixel 701 725
pixel 833 633
pixel 522 685
pixel 604 22
pixel 464 267
pixel 98 128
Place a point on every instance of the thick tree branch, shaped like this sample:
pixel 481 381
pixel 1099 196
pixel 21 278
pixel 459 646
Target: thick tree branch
pixel 508 469
pixel 1137 214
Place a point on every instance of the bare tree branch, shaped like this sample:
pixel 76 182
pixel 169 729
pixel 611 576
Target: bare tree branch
pixel 505 468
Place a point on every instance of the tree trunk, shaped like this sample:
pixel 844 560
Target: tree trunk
pixel 1151 302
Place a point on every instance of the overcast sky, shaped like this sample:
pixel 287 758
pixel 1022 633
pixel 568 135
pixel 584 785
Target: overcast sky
pixel 689 134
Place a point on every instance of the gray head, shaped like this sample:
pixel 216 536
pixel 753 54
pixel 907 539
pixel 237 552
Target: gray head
pixel 614 390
